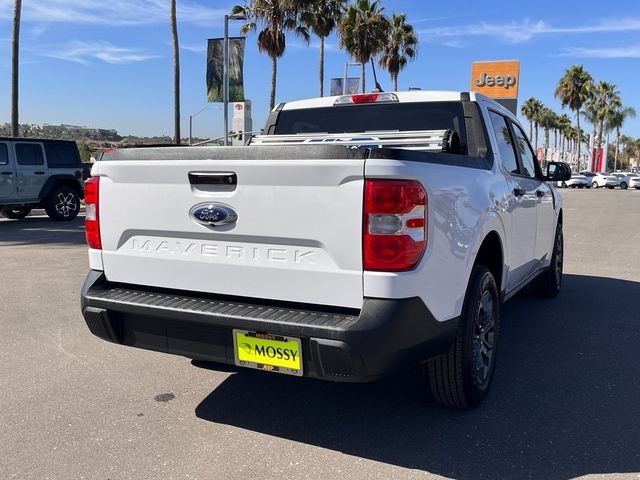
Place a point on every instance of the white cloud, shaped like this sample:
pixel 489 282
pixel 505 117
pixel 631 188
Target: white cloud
pixel 604 52
pixel 518 32
pixel 85 52
pixel 194 48
pixel 114 12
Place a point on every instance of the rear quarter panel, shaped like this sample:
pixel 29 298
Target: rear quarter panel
pixel 464 206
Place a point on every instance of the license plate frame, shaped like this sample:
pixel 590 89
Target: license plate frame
pixel 270 347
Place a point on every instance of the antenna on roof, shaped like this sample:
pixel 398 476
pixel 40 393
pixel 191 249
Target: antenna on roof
pixel 375 78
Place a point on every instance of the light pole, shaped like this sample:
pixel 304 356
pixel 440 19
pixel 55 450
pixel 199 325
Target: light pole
pixel 346 75
pixel 191 122
pixel 225 74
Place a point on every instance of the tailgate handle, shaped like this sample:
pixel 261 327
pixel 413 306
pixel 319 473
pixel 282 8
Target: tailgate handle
pixel 213 178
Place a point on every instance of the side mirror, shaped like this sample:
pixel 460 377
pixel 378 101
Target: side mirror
pixel 558 172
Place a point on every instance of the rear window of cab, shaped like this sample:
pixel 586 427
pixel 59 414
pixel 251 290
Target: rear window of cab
pixel 361 118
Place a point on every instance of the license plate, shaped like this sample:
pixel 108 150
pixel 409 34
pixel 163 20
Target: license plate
pixel 265 351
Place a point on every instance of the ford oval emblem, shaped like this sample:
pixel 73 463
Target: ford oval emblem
pixel 213 214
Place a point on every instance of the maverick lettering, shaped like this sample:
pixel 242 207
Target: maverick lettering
pixel 498 81
pixel 240 252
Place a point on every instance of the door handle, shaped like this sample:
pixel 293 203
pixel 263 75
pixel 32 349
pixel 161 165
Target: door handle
pixel 540 193
pixel 213 178
pixel 519 192
pixel 38 173
pixel 6 173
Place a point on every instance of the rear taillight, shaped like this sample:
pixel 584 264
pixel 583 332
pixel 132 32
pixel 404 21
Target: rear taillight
pixel 395 224
pixel 92 219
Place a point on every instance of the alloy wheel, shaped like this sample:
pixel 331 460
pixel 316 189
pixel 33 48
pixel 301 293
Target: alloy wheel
pixel 484 339
pixel 66 204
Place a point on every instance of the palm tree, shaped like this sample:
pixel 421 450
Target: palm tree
pixel 363 32
pixel 275 17
pixel 538 108
pixel 176 72
pixel 547 121
pixel 15 65
pixel 400 47
pixel 564 124
pixel 605 99
pixel 573 90
pixel 322 17
pixel 527 110
pixel 615 121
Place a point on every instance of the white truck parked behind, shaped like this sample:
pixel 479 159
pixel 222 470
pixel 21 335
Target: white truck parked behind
pixel 359 235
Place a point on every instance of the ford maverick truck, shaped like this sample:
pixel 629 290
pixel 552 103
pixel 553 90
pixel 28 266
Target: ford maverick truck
pixel 357 236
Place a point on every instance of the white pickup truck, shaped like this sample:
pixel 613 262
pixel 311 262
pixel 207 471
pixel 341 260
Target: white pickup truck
pixel 357 236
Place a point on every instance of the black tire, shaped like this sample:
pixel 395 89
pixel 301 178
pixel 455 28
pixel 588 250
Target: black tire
pixel 549 283
pixel 623 185
pixel 594 185
pixel 16 213
pixel 63 204
pixel 563 185
pixel 580 186
pixel 461 377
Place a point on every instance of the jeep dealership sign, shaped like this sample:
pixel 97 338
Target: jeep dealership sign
pixel 498 80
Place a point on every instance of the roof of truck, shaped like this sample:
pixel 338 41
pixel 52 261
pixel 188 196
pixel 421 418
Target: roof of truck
pixel 408 96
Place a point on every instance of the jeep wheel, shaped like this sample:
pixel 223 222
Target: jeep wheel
pixel 461 377
pixel 548 284
pixel 16 213
pixel 63 204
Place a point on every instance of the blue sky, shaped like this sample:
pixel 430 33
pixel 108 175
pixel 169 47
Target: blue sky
pixel 109 64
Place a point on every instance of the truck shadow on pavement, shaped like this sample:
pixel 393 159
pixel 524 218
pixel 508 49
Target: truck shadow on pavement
pixel 565 399
pixel 40 230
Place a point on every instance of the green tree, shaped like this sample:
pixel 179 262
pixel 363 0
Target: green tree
pixel 564 124
pixel 573 90
pixel 15 67
pixel 322 17
pixel 176 71
pixel 604 100
pixel 615 121
pixel 547 119
pixel 363 32
pixel 274 18
pixel 528 110
pixel 400 47
pixel 85 153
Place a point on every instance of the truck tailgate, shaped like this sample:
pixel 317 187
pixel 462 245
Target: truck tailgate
pixel 298 234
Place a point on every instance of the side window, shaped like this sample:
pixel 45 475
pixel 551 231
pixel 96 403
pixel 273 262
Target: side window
pixel 505 143
pixel 527 155
pixel 60 155
pixel 4 154
pixel 29 154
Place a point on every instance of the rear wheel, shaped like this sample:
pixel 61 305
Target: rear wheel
pixel 594 185
pixel 623 185
pixel 63 204
pixel 461 377
pixel 548 284
pixel 16 213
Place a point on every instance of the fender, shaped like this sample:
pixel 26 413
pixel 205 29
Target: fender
pixel 53 180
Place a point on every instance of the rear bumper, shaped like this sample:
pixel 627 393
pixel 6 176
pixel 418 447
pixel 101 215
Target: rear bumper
pixel 339 345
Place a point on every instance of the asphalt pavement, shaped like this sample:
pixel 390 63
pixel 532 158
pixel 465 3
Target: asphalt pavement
pixel 565 401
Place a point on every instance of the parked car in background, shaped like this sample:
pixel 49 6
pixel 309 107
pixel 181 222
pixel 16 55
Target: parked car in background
pixel 36 173
pixel 576 180
pixel 597 180
pixel 624 178
pixel 634 181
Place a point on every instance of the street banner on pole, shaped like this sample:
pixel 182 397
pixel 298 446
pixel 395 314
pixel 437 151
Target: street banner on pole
pixel 215 69
pixel 353 85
